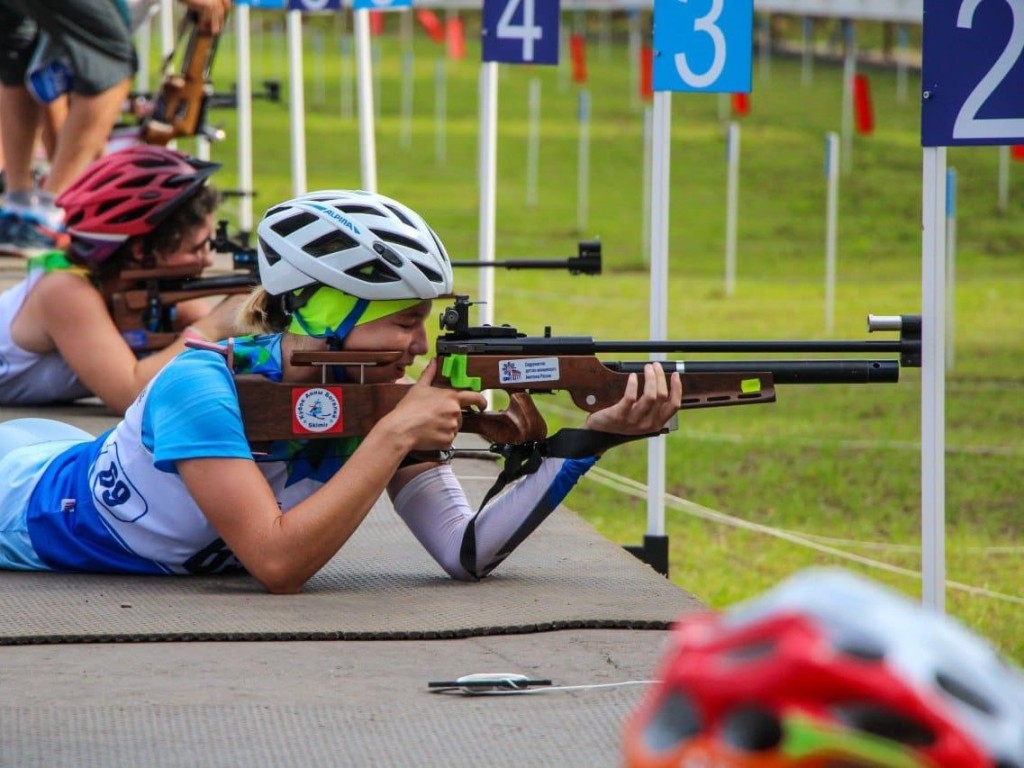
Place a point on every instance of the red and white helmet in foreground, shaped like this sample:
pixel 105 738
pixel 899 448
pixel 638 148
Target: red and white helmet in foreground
pixel 829 669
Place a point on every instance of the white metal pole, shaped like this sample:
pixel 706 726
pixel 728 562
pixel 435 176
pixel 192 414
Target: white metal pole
pixel 933 369
pixel 167 39
pixel 634 58
pixel 732 154
pixel 1004 178
pixel 244 95
pixel 831 220
pixel 661 134
pixel 645 242
pixel 807 57
pixel 364 88
pixel 533 142
pixel 405 119
pixel 488 184
pixel 296 101
pixel 440 112
pixel 408 82
pixel 583 161
pixel 950 263
pixel 345 77
pixel 319 75
pixel 849 73
pixel 901 64
pixel 166 27
pixel 766 48
pixel 143 40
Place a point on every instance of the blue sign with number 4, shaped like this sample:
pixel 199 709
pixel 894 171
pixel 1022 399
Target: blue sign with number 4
pixel 972 72
pixel 520 31
pixel 703 45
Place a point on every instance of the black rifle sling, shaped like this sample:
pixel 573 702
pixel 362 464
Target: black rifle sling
pixel 524 459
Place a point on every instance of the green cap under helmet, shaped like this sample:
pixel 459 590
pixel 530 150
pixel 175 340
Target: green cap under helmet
pixel 330 313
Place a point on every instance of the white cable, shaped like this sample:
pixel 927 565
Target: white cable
pixel 639 490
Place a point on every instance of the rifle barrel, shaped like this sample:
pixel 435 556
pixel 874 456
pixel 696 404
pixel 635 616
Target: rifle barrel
pixel 585 345
pixel 785 371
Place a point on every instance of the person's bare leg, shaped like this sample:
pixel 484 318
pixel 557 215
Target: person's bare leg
pixel 53 116
pixel 19 114
pixel 90 120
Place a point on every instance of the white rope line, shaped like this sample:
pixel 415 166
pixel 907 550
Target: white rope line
pixel 893 445
pixel 639 490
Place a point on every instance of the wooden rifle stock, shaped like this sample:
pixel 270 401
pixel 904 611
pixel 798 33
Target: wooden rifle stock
pixel 275 411
pixel 181 104
pixel 140 300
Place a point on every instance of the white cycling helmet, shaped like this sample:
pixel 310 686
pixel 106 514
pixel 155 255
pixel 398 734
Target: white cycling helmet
pixel 361 243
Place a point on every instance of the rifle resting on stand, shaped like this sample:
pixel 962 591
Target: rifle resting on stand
pixel 499 357
pixel 142 301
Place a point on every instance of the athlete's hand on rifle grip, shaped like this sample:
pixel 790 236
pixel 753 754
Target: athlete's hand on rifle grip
pixel 428 418
pixel 212 14
pixel 641 412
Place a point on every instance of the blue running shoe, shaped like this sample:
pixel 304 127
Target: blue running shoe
pixel 26 235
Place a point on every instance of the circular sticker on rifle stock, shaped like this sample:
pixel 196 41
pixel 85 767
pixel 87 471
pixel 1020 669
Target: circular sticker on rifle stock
pixel 316 410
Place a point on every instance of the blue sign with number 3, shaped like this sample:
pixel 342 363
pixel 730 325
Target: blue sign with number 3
pixel 314 6
pixel 703 45
pixel 972 72
pixel 380 5
pixel 521 31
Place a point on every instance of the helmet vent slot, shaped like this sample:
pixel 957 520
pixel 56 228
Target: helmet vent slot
pixel 330 243
pixel 293 223
pixel 136 213
pixel 391 237
pixel 398 212
pixel 364 210
pixel 437 242
pixel 752 729
pixel 886 723
pixel 372 272
pixel 137 181
pixel 964 693
pixel 269 253
pixel 674 721
pixel 430 274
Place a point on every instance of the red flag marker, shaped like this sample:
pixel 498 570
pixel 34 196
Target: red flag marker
pixel 578 46
pixel 376 23
pixel 741 104
pixel 456 37
pixel 431 24
pixel 646 73
pixel 864 113
pixel 1017 152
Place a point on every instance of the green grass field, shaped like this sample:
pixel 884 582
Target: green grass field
pixel 835 467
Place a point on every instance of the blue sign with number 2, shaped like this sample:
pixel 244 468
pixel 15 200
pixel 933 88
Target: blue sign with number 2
pixel 703 45
pixel 972 72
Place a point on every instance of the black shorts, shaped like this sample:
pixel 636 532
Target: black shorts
pixel 94 33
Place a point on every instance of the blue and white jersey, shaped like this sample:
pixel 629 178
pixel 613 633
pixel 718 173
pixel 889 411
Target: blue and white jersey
pixel 117 503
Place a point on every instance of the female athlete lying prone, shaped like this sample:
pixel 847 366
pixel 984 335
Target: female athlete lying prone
pixel 175 487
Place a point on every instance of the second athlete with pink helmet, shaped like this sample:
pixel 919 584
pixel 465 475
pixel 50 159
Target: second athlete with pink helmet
pixel 143 205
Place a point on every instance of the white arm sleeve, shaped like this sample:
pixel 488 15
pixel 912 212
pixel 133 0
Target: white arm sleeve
pixel 466 544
